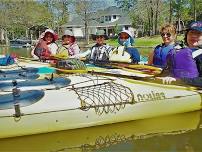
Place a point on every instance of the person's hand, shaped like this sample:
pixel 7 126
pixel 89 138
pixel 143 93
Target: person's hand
pixel 167 80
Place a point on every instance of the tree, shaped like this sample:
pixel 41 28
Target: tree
pixel 59 10
pixel 85 9
pixel 17 17
pixel 126 5
pixel 150 16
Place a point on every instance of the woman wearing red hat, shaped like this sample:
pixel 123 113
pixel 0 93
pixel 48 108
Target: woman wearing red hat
pixel 46 45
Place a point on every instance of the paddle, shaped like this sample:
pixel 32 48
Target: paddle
pixel 147 69
pixel 152 78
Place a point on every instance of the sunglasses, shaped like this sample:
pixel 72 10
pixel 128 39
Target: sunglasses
pixel 166 34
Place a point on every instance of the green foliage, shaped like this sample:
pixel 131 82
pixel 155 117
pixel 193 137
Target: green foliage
pixel 126 5
pixel 18 16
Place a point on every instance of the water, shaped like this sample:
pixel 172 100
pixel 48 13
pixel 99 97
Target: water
pixel 25 52
pixel 174 133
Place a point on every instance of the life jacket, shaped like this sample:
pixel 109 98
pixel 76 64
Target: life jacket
pixel 41 50
pixel 197 55
pixel 160 54
pixel 125 54
pixel 6 60
pixel 182 64
pixel 63 52
pixel 100 53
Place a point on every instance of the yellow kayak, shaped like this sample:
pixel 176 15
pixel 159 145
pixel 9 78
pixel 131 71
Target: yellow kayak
pixel 90 101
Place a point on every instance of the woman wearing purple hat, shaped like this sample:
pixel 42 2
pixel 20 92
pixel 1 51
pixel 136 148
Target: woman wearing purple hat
pixel 185 63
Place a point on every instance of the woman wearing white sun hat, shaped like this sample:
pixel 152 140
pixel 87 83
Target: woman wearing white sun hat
pixel 69 48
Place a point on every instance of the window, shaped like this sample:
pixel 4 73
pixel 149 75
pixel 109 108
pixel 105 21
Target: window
pixel 107 18
pixel 114 16
pixel 102 19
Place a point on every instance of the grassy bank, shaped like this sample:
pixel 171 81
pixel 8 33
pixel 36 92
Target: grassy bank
pixel 144 44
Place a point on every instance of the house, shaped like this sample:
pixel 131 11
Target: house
pixel 111 19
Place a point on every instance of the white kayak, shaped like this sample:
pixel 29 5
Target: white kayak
pixel 172 128
pixel 91 101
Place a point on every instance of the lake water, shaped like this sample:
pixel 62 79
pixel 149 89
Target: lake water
pixel 174 133
pixel 25 52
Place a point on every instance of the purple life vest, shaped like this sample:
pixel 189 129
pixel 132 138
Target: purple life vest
pixel 182 63
pixel 160 54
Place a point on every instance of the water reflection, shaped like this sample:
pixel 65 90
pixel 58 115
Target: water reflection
pixel 180 132
pixel 25 52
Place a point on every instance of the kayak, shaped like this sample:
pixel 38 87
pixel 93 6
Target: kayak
pixel 46 83
pixel 92 101
pixel 177 126
pixel 18 76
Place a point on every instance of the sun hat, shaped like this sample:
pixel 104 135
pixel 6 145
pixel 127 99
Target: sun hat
pixel 129 33
pixel 99 33
pixel 68 32
pixel 196 25
pixel 55 36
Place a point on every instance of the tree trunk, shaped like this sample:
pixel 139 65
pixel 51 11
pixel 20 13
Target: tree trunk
pixel 156 17
pixel 152 17
pixel 194 3
pixel 171 12
pixel 6 37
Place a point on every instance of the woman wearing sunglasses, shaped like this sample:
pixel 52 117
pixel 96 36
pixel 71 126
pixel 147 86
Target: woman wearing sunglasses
pixel 185 63
pixel 158 56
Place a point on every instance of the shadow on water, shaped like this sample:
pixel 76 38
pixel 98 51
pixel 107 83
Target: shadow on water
pixel 174 133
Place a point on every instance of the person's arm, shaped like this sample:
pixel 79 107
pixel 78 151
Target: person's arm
pixel 76 49
pixel 150 58
pixel 53 48
pixel 83 55
pixel 33 50
pixel 134 53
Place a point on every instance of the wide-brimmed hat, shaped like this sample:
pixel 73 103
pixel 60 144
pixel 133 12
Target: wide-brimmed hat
pixel 55 36
pixel 99 33
pixel 130 35
pixel 196 25
pixel 68 32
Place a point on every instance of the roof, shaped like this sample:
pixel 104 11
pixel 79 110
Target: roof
pixel 123 20
pixel 113 10
pixel 78 22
